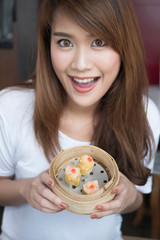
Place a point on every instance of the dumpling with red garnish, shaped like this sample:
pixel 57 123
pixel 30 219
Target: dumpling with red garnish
pixel 90 187
pixel 85 164
pixel 72 176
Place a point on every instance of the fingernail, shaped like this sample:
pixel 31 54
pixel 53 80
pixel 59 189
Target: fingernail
pixel 115 191
pixel 93 216
pixel 100 207
pixel 63 205
pixel 50 183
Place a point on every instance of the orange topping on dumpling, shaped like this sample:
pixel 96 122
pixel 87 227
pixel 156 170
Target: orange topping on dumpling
pixel 73 170
pixel 92 186
pixel 90 159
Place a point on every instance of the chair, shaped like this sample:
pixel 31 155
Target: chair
pixel 154 204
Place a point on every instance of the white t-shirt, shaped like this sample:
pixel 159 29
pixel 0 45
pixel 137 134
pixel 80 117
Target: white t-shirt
pixel 20 155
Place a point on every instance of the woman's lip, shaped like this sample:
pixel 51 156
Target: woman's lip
pixel 83 89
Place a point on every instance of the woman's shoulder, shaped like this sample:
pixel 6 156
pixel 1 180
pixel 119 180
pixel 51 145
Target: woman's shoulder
pixel 16 96
pixel 153 116
pixel 153 113
pixel 16 102
pixel 16 93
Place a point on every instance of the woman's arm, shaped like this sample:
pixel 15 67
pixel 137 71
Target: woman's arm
pixel 10 191
pixel 36 191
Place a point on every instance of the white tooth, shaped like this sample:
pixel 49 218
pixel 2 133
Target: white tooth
pixel 84 80
pixel 76 80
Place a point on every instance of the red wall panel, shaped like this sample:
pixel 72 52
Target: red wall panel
pixel 148 15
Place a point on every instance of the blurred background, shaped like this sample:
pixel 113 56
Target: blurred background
pixel 18 40
pixel 18 48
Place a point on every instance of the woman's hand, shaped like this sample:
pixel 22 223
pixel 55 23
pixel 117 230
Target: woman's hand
pixel 127 199
pixel 37 191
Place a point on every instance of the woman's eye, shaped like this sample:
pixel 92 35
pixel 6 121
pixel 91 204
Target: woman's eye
pixel 98 43
pixel 65 43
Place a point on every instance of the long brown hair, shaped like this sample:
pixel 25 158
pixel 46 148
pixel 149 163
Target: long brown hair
pixel 123 130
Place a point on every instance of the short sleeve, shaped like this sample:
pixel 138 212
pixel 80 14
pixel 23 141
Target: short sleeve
pixel 153 117
pixel 6 148
pixel 16 112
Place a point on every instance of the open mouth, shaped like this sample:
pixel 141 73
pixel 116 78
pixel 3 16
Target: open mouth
pixel 84 84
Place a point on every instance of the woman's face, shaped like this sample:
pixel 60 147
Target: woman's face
pixel 84 64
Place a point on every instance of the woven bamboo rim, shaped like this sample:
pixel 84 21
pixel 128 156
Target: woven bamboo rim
pixel 80 203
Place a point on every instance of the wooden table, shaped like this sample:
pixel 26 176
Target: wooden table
pixel 136 238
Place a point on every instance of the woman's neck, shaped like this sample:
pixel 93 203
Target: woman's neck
pixel 78 123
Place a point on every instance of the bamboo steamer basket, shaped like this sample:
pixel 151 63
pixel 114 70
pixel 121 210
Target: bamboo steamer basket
pixel 81 203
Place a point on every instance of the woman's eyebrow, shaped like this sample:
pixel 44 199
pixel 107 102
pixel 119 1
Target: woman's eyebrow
pixel 62 34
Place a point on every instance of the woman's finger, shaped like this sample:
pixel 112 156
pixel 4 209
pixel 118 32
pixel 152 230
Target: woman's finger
pixel 42 203
pixel 112 205
pixel 46 179
pixel 50 196
pixel 98 215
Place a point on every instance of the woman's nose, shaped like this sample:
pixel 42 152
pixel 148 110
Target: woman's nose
pixel 81 60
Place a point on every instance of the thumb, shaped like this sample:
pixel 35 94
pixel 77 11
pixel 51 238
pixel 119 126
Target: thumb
pixel 46 179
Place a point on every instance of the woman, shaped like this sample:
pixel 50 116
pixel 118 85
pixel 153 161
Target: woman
pixel 88 88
